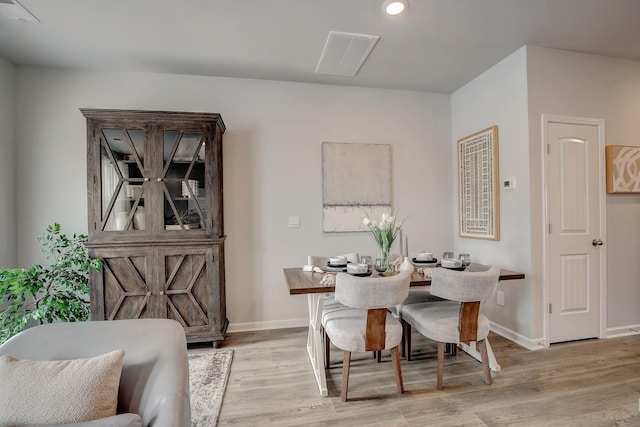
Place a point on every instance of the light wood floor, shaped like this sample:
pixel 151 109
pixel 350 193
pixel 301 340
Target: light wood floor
pixel 583 383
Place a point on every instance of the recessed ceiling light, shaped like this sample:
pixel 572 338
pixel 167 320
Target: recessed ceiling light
pixel 394 7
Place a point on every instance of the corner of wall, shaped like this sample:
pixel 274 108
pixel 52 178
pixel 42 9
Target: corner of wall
pixel 8 239
pixel 499 97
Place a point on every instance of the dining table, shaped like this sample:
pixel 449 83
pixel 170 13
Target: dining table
pixel 309 283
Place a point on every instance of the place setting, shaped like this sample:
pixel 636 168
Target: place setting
pixel 424 259
pixel 459 264
pixel 341 264
pixel 448 260
pixel 336 264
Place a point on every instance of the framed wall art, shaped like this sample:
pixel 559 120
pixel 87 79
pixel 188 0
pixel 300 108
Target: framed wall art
pixel 356 182
pixel 478 190
pixel 623 169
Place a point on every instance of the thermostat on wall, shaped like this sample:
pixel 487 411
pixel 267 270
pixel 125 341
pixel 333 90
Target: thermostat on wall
pixel 509 183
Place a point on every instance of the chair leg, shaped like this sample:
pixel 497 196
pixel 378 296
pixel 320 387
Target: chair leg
pixel 408 340
pixel 440 365
pixel 485 361
pixel 395 355
pixel 451 348
pixel 327 349
pixel 345 374
pixel 403 341
pixel 379 355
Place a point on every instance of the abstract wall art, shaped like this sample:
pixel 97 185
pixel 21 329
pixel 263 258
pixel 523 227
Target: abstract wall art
pixel 356 182
pixel 478 191
pixel 623 169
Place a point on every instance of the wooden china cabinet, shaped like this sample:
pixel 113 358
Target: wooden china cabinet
pixel 155 218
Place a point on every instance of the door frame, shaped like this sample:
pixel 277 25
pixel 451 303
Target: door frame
pixel 599 123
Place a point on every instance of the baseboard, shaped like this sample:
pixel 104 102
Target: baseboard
pixel 623 331
pixel 528 343
pixel 263 326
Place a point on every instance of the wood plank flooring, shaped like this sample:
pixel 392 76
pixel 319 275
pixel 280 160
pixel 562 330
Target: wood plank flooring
pixel 582 383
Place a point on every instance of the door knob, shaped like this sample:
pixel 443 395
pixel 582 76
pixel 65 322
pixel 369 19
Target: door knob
pixel 597 242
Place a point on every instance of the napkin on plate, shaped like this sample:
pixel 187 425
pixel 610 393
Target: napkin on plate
pixel 313 268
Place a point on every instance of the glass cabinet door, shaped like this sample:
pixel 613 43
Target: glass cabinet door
pixel 122 156
pixel 183 179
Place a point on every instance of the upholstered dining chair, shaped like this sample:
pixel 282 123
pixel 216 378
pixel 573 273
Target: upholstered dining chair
pixel 330 302
pixel 458 319
pixel 363 325
pixel 416 296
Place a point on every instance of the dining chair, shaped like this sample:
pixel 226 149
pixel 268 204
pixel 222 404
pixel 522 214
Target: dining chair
pixel 363 325
pixel 330 302
pixel 417 296
pixel 458 319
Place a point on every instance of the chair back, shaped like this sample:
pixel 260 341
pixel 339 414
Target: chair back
pixel 372 292
pixel 464 286
pixel 352 257
pixel 470 288
pixel 323 260
pixel 317 260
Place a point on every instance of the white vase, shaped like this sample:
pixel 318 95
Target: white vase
pixel 406 265
pixel 138 218
pixel 121 220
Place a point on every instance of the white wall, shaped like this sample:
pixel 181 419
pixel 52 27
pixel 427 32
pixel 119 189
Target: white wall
pixel 272 167
pixel 499 97
pixel 575 84
pixel 514 94
pixel 8 244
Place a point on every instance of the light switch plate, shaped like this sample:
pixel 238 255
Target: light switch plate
pixel 294 222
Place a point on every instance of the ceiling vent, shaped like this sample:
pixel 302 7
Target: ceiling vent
pixel 344 53
pixel 11 9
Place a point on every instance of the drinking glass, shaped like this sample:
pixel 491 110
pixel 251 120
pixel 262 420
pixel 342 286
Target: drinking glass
pixel 394 261
pixel 379 266
pixel 366 259
pixel 447 255
pixel 465 258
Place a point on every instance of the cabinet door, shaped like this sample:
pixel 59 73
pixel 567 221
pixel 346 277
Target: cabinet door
pixel 124 287
pixel 182 177
pixel 156 175
pixel 121 175
pixel 190 285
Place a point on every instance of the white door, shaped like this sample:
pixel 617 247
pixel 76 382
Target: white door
pixel 574 241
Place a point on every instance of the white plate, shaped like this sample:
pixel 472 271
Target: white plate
pixel 334 269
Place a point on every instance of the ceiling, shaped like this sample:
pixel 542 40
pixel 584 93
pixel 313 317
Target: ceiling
pixel 436 45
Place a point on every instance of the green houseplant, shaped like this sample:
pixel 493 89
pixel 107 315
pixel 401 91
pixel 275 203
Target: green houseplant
pixel 44 294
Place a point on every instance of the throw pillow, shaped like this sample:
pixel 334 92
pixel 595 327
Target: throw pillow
pixel 62 391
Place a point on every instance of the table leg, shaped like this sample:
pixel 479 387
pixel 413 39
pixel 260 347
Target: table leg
pixel 473 352
pixel 315 303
